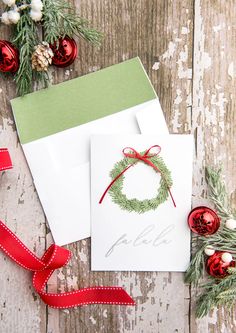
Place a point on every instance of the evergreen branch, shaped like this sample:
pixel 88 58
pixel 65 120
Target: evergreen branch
pixel 195 270
pixel 217 292
pixel 218 193
pixel 60 19
pixel 25 37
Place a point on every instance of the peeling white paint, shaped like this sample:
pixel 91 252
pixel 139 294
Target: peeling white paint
pixel 93 321
pixel 104 313
pixel 156 66
pixel 168 54
pixel 217 28
pixel 206 60
pixel 178 40
pixel 138 317
pixel 178 98
pixel 82 256
pixel 125 56
pixel 176 122
pixel 231 70
pixel 72 281
pixel 95 68
pixel 183 70
pixel 184 30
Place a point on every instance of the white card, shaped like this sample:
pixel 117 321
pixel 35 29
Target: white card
pixel 156 240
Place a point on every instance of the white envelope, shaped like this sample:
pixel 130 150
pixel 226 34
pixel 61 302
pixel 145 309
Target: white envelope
pixel 58 154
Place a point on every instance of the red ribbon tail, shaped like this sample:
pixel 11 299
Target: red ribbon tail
pixel 54 258
pixel 92 295
pixel 5 159
pixel 171 195
pixel 113 181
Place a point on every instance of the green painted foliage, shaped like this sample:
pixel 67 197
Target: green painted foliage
pixel 134 205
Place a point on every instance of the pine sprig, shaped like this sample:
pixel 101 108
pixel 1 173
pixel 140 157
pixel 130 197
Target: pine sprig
pixel 195 270
pixel 216 291
pixel 60 19
pixel 25 37
pixel 218 193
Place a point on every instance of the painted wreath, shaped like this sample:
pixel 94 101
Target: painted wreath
pixel 135 205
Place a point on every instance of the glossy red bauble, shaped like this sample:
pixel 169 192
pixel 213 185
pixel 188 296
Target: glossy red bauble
pixel 9 57
pixel 203 221
pixel 216 267
pixel 65 52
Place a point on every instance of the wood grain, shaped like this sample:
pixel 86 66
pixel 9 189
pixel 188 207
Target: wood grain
pixel 193 46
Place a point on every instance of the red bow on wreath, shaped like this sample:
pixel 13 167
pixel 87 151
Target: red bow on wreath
pixel 132 153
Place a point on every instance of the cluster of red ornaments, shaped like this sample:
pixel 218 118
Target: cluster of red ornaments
pixel 65 52
pixel 216 267
pixel 205 222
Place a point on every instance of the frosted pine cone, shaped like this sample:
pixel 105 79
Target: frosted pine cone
pixel 42 57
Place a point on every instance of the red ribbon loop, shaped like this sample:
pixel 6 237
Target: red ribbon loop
pixel 56 257
pixel 5 159
pixel 132 153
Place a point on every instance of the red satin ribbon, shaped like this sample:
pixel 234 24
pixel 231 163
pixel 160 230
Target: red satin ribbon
pixel 5 159
pixel 56 257
pixel 132 153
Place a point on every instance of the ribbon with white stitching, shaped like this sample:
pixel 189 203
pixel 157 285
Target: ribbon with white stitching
pixel 54 258
pixel 5 159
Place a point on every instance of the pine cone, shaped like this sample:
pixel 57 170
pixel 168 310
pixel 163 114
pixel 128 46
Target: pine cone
pixel 42 57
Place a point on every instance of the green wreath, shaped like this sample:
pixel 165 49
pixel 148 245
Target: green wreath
pixel 135 205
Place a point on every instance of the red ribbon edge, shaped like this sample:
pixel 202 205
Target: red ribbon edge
pixel 145 158
pixel 54 258
pixel 5 159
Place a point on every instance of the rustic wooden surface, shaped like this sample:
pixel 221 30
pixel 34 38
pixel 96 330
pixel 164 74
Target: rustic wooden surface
pixel 193 46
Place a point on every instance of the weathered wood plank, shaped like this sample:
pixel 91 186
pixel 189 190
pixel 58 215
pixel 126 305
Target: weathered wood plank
pixel 213 118
pixel 20 308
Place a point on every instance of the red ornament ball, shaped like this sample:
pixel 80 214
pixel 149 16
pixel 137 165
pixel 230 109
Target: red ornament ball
pixel 65 52
pixel 203 221
pixel 9 57
pixel 216 267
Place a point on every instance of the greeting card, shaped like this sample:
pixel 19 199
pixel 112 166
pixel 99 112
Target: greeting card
pixel 54 127
pixel 141 190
